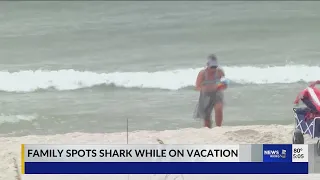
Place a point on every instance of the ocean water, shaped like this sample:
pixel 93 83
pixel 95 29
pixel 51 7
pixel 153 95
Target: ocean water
pixel 88 66
pixel 84 68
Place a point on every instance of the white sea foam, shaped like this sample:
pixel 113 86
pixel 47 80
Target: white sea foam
pixel 7 118
pixel 27 81
pixel 225 135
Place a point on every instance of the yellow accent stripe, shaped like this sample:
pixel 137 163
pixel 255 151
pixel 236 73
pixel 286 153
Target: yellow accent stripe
pixel 22 158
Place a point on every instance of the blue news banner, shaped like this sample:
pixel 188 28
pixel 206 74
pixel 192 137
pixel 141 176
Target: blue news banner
pixel 277 159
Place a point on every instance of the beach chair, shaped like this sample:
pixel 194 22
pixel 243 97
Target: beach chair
pixel 305 127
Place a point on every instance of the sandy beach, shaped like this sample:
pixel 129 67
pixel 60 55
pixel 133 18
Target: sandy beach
pixel 225 135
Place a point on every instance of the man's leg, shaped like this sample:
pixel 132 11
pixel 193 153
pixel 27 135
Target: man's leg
pixel 218 110
pixel 208 123
pixel 208 119
pixel 207 109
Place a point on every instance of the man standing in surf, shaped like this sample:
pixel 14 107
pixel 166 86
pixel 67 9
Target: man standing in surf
pixel 209 85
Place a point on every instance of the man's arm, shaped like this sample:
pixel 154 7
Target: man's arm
pixel 312 84
pixel 221 72
pixel 199 80
pixel 300 96
pixel 222 75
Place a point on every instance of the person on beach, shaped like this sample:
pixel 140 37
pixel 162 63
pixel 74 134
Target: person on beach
pixel 209 85
pixel 310 96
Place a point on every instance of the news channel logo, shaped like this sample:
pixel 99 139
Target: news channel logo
pixel 277 153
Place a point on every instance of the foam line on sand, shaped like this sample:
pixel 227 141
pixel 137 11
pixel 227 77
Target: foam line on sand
pixel 10 149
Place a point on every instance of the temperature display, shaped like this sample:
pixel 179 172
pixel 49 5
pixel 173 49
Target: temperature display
pixel 299 153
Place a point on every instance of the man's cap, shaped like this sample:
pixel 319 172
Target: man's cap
pixel 212 60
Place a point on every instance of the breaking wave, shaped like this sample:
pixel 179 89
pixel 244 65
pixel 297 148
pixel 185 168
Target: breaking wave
pixel 69 79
